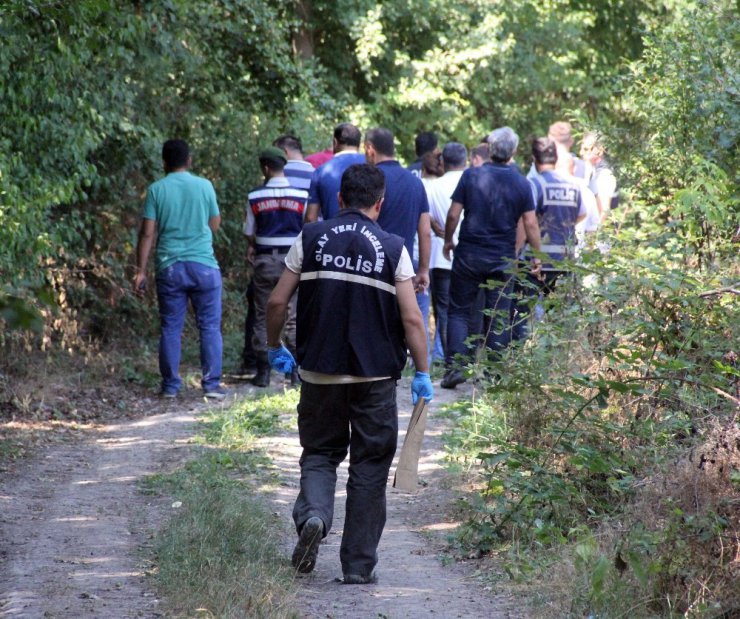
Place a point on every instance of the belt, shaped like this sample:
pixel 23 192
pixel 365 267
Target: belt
pixel 275 251
pixel 555 249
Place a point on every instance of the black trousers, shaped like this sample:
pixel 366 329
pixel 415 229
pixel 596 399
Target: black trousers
pixel 361 418
pixel 249 357
pixel 525 294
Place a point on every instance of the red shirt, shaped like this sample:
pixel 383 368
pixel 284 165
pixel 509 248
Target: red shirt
pixel 320 158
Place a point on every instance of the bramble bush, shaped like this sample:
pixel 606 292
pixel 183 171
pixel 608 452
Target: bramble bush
pixel 613 431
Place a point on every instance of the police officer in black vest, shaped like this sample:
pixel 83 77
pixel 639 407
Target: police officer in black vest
pixel 357 315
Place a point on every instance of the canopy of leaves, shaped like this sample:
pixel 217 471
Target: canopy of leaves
pixel 90 89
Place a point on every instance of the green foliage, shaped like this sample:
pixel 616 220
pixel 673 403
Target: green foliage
pixel 248 418
pixel 679 128
pixel 220 551
pixel 625 380
pixel 464 67
pixel 107 82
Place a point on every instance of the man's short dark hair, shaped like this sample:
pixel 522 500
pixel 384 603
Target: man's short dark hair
pixel 347 134
pixel 481 151
pixel 382 141
pixel 454 155
pixel 289 142
pixel 425 142
pixel 362 186
pixel 175 154
pixel 544 151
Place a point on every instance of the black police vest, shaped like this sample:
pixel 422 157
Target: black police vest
pixel 348 316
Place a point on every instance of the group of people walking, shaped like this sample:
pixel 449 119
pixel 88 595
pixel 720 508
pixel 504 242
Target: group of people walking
pixel 345 256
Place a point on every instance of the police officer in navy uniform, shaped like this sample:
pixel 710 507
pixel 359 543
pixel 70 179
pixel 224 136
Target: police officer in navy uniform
pixel 274 219
pixel 559 207
pixel 357 316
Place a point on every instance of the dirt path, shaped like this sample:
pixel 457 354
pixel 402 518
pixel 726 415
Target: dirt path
pixel 73 524
pixel 72 521
pixel 413 583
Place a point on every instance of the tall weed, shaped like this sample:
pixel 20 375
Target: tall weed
pixel 611 438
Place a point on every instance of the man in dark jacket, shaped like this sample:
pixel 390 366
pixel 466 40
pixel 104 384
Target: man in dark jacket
pixel 357 315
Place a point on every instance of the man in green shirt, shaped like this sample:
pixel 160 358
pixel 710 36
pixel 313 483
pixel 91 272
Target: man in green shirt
pixel 182 214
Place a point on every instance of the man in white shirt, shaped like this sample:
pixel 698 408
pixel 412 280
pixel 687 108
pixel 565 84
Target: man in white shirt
pixel 603 183
pixel 439 192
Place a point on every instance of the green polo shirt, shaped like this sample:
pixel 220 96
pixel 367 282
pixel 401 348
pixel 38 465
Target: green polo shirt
pixel 181 204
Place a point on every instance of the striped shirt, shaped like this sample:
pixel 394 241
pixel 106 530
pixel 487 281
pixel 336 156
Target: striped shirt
pixel 299 173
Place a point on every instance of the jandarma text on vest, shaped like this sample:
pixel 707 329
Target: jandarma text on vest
pixel 276 204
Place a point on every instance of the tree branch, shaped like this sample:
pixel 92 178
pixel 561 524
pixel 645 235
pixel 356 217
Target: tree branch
pixel 734 289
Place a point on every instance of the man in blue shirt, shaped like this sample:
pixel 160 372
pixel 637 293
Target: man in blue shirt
pixel 494 197
pixel 322 198
pixel 405 209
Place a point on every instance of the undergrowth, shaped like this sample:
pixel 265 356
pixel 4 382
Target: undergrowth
pixel 606 452
pixel 219 556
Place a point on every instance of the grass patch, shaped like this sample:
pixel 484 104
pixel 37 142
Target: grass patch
pixel 219 556
pixel 11 449
pixel 237 426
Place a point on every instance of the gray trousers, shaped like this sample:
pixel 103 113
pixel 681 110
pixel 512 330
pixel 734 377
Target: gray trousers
pixel 332 419
pixel 267 271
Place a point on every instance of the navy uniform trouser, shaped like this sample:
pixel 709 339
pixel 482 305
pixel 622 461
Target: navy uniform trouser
pixel 468 275
pixel 361 418
pixel 526 293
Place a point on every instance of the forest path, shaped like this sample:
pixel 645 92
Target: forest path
pixel 413 582
pixel 73 525
pixel 73 522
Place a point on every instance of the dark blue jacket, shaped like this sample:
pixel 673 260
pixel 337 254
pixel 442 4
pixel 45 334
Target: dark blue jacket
pixel 348 316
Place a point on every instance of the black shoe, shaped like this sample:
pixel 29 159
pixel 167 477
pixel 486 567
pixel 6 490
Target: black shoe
pixel 262 378
pixel 452 379
pixel 360 579
pixel 307 548
pixel 245 371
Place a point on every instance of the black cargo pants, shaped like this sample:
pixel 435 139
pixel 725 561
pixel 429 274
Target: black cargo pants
pixel 332 419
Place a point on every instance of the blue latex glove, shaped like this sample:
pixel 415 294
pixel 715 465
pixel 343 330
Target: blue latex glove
pixel 421 387
pixel 281 360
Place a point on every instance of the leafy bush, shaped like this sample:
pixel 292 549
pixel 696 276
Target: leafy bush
pixel 108 82
pixel 620 390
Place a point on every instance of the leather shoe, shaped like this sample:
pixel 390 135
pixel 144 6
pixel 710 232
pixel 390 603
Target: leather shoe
pixel 452 379
pixel 262 379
